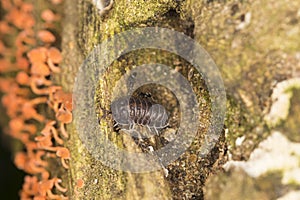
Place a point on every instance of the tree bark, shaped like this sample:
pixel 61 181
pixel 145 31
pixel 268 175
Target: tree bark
pixel 247 40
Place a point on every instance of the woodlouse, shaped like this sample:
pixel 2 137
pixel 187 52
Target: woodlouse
pixel 131 110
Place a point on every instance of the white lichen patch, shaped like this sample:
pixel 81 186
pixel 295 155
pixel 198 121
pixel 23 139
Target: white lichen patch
pixel 281 96
pixel 292 195
pixel 276 153
pixel 239 141
pixel 245 22
pixel 103 5
pixel 292 176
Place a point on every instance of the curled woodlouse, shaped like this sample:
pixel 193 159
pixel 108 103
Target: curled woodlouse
pixel 130 111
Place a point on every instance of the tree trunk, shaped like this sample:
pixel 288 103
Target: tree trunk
pixel 255 45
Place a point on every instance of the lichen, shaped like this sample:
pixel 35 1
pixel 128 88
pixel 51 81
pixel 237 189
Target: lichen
pixel 252 50
pixel 124 15
pixel 281 97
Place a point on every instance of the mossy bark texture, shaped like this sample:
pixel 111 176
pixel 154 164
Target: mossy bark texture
pixel 250 41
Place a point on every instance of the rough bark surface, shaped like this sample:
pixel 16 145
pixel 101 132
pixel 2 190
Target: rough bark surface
pixel 255 44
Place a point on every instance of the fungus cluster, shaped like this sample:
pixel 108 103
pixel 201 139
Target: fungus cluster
pixel 28 60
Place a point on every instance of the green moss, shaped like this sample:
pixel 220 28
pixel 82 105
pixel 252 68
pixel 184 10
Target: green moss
pixel 250 59
pixel 124 15
pixel 136 12
pixel 291 125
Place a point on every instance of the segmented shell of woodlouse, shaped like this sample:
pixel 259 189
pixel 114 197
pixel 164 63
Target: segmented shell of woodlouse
pixel 136 110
